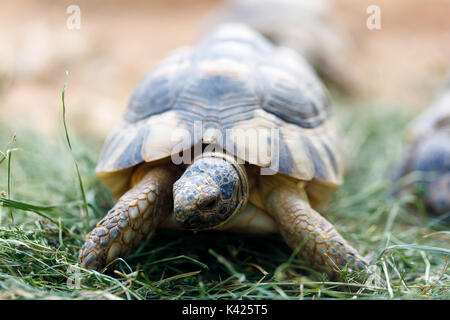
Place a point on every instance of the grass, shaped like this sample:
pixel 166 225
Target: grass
pixel 42 227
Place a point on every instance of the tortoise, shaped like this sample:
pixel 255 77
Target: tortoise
pixel 309 27
pixel 428 153
pixel 185 155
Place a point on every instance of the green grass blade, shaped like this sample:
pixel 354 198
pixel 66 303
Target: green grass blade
pixel 80 182
pixel 415 247
pixel 8 203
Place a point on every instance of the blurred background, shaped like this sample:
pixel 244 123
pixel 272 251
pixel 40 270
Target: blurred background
pixel 405 62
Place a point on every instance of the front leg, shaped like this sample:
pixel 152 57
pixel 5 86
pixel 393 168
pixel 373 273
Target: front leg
pixel 133 219
pixel 321 245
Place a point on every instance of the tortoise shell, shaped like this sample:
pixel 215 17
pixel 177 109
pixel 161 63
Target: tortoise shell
pixel 429 134
pixel 433 118
pixel 232 80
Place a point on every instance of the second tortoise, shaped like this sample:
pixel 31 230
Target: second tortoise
pixel 428 155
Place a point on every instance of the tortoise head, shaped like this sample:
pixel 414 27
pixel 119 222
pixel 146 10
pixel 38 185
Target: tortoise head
pixel 433 160
pixel 210 192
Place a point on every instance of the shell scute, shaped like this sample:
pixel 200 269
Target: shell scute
pixel 232 81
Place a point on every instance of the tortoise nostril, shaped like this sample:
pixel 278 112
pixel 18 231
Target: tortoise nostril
pixel 209 204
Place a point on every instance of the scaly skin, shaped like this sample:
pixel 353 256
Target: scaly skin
pixel 133 219
pixel 209 192
pixel 322 246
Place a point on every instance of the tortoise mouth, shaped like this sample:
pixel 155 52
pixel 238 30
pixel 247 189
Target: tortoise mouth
pixel 196 219
pixel 194 210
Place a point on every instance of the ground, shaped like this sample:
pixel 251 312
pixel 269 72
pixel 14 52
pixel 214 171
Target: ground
pixel 43 222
